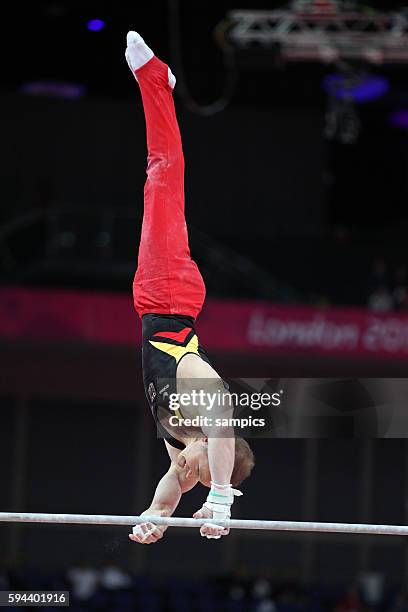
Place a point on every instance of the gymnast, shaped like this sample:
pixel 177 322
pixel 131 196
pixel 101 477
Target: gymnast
pixel 169 293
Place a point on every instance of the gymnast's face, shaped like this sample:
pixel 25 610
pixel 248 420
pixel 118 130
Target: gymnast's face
pixel 195 459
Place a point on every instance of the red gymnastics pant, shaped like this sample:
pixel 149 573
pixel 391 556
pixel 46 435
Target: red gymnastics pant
pixel 167 280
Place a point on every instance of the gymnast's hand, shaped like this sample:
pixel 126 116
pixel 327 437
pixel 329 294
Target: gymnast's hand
pixel 147 533
pixel 167 496
pixel 208 530
pixel 218 507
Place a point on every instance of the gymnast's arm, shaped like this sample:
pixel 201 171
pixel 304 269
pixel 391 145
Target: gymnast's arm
pixel 172 485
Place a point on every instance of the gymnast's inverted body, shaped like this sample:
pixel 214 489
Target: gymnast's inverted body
pixel 169 293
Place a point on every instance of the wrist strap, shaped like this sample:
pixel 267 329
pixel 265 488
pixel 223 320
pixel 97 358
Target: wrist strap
pixel 222 494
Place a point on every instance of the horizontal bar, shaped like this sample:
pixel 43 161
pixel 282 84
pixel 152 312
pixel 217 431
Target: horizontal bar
pixel 172 521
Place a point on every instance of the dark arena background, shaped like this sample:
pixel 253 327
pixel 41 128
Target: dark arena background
pixel 294 120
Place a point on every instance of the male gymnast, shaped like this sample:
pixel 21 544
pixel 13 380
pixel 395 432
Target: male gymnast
pixel 169 293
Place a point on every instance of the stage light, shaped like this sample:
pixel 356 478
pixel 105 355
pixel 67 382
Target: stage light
pixel 54 89
pixel 95 25
pixel 357 87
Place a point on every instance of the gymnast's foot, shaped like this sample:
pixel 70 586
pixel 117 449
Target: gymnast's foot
pixel 138 54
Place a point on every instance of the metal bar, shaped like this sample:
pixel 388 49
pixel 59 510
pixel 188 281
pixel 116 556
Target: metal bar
pixel 172 521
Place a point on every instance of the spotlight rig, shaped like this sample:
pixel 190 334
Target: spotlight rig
pixel 323 31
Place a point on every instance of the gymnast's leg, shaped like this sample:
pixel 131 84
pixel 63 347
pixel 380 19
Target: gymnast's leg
pixel 167 280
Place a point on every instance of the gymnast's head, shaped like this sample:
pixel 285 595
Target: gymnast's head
pixel 195 459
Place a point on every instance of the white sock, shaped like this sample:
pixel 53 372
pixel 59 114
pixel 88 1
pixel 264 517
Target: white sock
pixel 138 54
pixel 172 79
